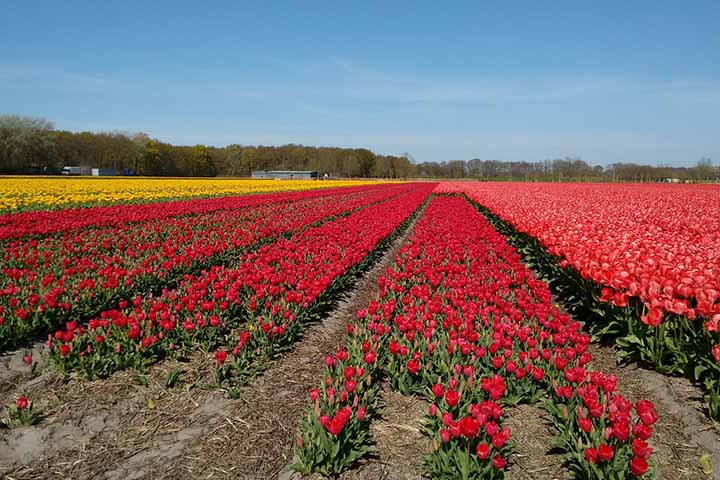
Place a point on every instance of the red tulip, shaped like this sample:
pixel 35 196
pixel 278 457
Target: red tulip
pixel 335 426
pixel 468 427
pixel 642 431
pixel 591 455
pixel 638 466
pixel 452 398
pixel 605 452
pixel 438 390
pixel 641 449
pixel 314 394
pixel 220 357
pixel 369 358
pixel 585 424
pixel 482 451
pixel 646 412
pixel 498 462
pixel 413 366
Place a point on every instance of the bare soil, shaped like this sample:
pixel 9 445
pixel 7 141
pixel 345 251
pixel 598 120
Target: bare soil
pixel 131 427
pixel 399 441
pixel 532 457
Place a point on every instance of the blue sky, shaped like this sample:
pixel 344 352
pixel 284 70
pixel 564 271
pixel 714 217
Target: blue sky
pixel 607 81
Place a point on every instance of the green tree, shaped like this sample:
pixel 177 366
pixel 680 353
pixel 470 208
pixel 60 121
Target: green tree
pixel 202 162
pixel 364 161
pixel 704 170
pixel 26 144
pixel 150 162
pixel 249 160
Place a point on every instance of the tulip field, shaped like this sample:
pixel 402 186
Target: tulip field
pixel 640 262
pixel 77 273
pixel 18 194
pixel 464 323
pixel 259 299
pixel 491 296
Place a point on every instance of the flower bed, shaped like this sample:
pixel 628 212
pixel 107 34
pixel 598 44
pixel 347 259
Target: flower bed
pixel 37 223
pixel 28 193
pixel 75 275
pixel 461 321
pixel 262 299
pixel 648 282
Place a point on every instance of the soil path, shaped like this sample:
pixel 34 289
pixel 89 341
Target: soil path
pixel 399 441
pixel 259 439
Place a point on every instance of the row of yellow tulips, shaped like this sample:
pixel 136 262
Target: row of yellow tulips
pixel 40 193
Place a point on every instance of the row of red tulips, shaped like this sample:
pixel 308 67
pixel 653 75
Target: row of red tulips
pixel 460 320
pixel 648 282
pixel 655 242
pixel 74 275
pixel 38 223
pixel 260 300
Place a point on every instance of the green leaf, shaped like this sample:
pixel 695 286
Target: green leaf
pixel 706 463
pixel 173 377
pixel 699 370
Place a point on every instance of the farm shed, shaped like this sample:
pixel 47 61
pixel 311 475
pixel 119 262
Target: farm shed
pixel 105 172
pixel 286 174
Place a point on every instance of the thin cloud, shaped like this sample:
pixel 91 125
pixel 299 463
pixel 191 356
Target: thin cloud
pixel 55 76
pixel 373 84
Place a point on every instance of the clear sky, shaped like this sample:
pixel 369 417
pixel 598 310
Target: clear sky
pixel 604 80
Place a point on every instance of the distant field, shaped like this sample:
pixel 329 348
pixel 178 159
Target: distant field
pixel 49 193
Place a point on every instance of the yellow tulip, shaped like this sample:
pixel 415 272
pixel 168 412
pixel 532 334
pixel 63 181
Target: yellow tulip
pixel 40 193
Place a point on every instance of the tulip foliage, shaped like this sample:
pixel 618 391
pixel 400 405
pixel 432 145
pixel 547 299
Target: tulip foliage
pixel 260 300
pixel 462 322
pixel 77 273
pixel 21 413
pixel 639 263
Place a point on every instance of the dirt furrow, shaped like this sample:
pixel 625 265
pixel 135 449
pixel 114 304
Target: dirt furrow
pixel 257 439
pixel 398 439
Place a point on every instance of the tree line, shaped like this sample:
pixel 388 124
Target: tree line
pixel 33 146
pixel 567 169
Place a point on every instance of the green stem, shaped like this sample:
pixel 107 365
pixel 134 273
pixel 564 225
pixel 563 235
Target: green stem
pixel 629 319
pixel 659 345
